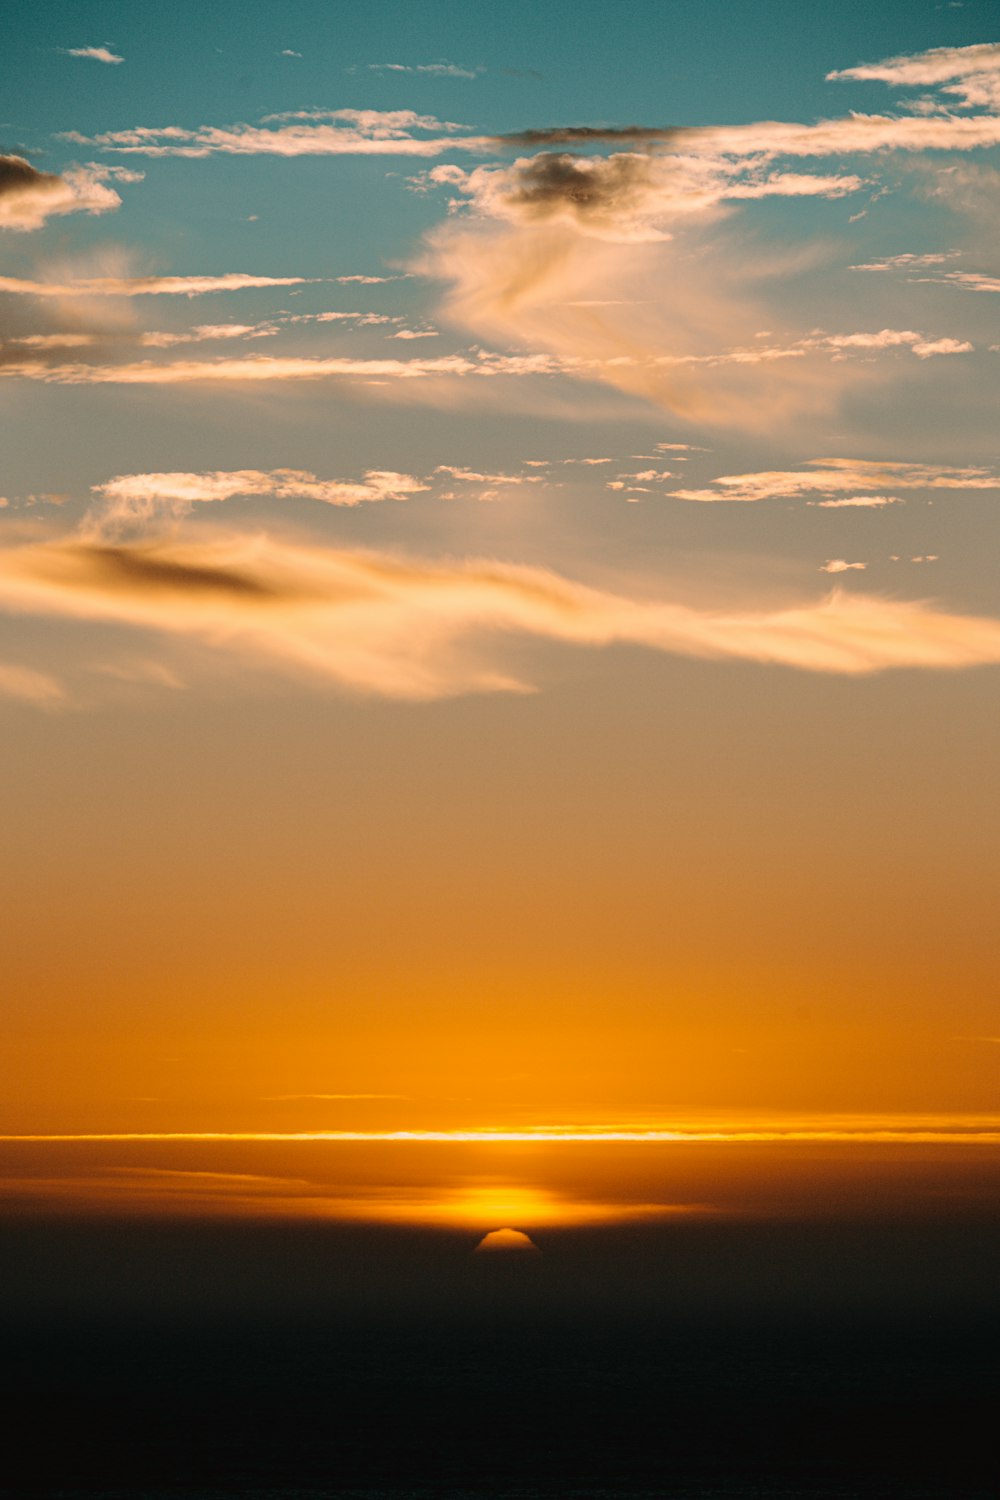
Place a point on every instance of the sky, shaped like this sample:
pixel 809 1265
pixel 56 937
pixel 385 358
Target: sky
pixel 497 571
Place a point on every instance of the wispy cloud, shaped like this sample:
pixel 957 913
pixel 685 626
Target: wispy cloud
pixel 435 69
pixel 839 565
pixel 266 368
pixel 337 132
pixel 147 286
pixel 29 197
pixel 131 498
pixel 96 54
pixel 30 686
pixel 909 261
pixel 971 73
pixel 830 475
pixel 414 628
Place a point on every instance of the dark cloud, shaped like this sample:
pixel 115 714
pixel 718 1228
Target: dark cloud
pixel 587 186
pixel 582 135
pixel 138 570
pixel 18 176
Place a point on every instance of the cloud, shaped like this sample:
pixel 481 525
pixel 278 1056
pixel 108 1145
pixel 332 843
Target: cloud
pixel 624 197
pixel 417 629
pixel 972 73
pixel 208 333
pixel 336 132
pixel 846 135
pixel 838 565
pixel 147 286
pixel 490 485
pixel 131 498
pixel 830 475
pixel 436 70
pixel 971 281
pixel 858 502
pixel 96 54
pixel 29 686
pixel 670 337
pixel 928 348
pixel 908 261
pixel 29 197
pixel 264 368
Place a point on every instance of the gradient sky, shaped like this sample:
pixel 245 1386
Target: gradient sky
pixel 500 622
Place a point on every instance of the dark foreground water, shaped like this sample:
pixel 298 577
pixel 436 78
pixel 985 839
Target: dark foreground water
pixel 714 1360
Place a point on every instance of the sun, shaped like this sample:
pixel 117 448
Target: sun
pixel 505 1241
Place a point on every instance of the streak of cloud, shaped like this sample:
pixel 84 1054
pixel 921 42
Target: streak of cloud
pixel 95 54
pixel 147 286
pixel 419 629
pixel 830 475
pixel 130 499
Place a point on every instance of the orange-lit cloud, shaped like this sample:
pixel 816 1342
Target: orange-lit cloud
pixel 419 629
pixel 131 498
pixel 335 132
pixel 973 73
pixel 29 197
pixel 829 476
pixel 29 685
pixel 146 286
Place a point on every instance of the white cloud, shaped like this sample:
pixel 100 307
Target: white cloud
pixel 972 73
pixel 928 348
pixel 96 54
pixel 262 368
pixel 858 502
pixel 831 475
pixel 131 498
pixel 337 132
pixel 908 261
pixel 147 286
pixel 838 565
pixel 29 197
pixel 436 70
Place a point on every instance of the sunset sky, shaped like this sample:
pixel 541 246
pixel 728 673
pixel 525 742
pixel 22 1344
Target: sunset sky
pixel 498 577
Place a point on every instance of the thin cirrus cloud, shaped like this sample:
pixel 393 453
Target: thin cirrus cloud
pixel 831 475
pixel 337 132
pixel 419 629
pixel 29 197
pixel 265 368
pixel 147 286
pixel 434 70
